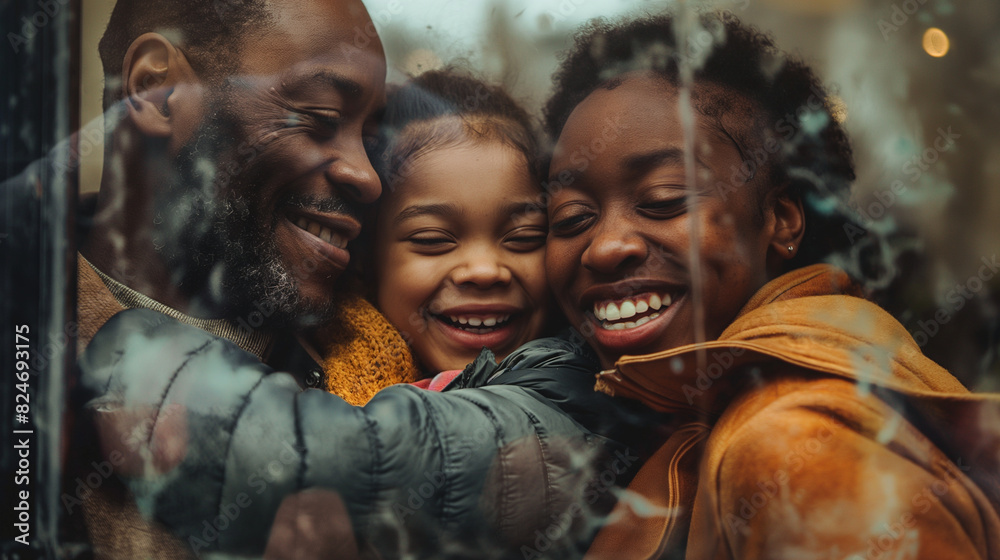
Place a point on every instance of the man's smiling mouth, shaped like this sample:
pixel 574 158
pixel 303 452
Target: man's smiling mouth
pixel 322 232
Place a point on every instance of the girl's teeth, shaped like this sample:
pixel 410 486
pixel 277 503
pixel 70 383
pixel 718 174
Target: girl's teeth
pixel 656 303
pixel 478 322
pixel 641 306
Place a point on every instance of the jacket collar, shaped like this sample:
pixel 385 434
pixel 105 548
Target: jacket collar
pixel 811 318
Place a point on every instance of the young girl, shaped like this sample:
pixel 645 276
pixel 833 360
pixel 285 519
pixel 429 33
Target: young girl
pixel 807 424
pixel 455 251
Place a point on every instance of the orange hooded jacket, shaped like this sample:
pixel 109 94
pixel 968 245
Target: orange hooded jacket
pixel 812 428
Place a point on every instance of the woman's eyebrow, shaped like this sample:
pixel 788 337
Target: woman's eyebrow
pixel 565 177
pixel 642 163
pixel 635 165
pixel 441 210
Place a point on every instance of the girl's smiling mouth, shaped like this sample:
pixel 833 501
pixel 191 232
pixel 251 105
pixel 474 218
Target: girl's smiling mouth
pixel 475 324
pixel 473 327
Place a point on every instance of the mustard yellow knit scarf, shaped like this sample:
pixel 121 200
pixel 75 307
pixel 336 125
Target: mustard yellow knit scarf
pixel 363 352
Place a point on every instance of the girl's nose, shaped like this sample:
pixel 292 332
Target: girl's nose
pixel 482 268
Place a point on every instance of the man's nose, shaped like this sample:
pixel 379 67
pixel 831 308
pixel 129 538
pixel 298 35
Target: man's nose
pixel 614 249
pixel 353 173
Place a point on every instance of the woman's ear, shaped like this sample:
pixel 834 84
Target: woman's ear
pixel 152 71
pixel 789 224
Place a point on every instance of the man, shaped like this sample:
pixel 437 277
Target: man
pixel 236 169
pixel 234 178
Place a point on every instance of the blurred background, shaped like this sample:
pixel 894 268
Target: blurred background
pixel 917 83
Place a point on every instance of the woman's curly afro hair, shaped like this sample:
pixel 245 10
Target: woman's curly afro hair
pixel 811 157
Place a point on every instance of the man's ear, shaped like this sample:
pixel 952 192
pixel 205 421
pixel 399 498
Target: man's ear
pixel 151 73
pixel 789 224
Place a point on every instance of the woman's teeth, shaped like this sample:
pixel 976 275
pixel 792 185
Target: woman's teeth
pixel 612 315
pixel 322 232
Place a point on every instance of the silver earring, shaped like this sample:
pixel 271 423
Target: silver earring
pixel 791 248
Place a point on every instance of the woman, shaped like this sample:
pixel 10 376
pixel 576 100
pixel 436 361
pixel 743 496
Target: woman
pixel 806 422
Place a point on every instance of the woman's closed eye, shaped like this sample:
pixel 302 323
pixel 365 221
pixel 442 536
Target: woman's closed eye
pixel 570 223
pixel 664 208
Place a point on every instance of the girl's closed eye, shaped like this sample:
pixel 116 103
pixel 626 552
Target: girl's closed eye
pixel 526 239
pixel 432 241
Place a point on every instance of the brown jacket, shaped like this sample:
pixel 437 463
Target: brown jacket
pixel 115 527
pixel 813 428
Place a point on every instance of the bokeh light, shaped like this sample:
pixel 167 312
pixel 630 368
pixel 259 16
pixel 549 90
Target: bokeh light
pixel 936 42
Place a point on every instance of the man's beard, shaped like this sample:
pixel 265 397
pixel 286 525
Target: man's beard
pixel 218 241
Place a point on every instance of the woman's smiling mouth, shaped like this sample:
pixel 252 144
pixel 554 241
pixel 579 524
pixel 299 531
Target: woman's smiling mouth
pixel 632 312
pixel 629 324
